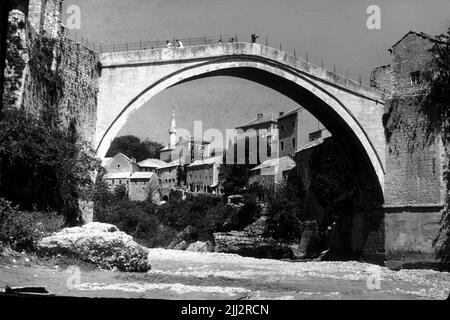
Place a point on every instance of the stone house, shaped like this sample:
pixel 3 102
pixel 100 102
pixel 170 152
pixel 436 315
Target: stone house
pixel 411 177
pixel 168 177
pixel 410 55
pixel 142 185
pixel 115 179
pixel 297 128
pixel 203 175
pixel 271 172
pixel 121 163
pixel 119 170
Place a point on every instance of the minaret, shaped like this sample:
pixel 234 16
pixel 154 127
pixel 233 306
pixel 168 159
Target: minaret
pixel 172 131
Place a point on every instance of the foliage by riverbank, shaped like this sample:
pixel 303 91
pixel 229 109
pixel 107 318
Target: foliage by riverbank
pixel 157 226
pixel 21 230
pixel 44 166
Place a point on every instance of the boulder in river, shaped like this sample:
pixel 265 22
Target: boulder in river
pixel 181 239
pixel 200 246
pixel 100 243
pixel 180 246
pixel 244 244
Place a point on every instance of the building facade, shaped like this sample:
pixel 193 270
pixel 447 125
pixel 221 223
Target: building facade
pixel 143 185
pixel 119 170
pixel 202 176
pixel 168 176
pixel 271 172
pixel 297 128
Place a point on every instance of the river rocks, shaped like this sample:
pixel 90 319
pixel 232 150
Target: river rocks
pixel 311 243
pixel 180 246
pixel 257 228
pixel 200 246
pixel 242 243
pixel 297 251
pixel 180 242
pixel 100 243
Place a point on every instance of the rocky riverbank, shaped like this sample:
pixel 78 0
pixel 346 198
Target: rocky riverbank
pixel 99 243
pixel 190 275
pixel 253 242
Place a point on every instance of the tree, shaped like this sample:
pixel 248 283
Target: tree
pixel 285 213
pixel 234 177
pixel 436 110
pixel 132 146
pixel 44 166
pixel 153 148
pixel 181 175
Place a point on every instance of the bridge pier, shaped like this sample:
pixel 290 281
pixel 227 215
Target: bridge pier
pixel 390 235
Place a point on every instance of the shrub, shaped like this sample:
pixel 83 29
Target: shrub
pixel 285 214
pixel 44 166
pixel 22 230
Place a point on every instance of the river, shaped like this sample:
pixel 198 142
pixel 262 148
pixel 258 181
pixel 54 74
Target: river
pixel 190 275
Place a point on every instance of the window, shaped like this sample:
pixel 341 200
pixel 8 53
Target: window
pixel 294 143
pixel 315 135
pixel 282 145
pixel 415 78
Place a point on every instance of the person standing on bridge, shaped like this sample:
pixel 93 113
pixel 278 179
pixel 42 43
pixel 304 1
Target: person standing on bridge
pixel 180 44
pixel 169 45
pixel 254 37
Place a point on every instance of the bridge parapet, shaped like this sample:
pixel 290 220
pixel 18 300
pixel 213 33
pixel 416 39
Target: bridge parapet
pixel 220 50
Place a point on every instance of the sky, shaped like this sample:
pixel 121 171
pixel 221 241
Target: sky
pixel 332 30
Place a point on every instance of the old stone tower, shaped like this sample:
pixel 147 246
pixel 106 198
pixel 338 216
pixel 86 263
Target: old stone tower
pixel 44 69
pixel 46 72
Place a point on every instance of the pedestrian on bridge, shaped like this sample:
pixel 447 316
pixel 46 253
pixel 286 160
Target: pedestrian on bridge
pixel 254 37
pixel 169 45
pixel 180 44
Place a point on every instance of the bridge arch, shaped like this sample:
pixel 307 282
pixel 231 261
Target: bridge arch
pixel 329 108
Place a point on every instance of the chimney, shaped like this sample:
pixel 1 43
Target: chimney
pixel 259 116
pixel 280 114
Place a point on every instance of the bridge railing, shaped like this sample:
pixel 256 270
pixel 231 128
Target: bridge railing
pixel 205 40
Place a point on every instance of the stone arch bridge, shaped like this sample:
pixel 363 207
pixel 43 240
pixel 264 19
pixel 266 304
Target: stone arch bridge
pixel 402 229
pixel 351 111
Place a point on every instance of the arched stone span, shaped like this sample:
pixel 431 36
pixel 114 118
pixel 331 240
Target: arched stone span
pixel 353 114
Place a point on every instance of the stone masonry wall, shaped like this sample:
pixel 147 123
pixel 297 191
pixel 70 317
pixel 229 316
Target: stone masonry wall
pixel 414 188
pixel 47 71
pixel 3 33
pixel 79 71
pixel 16 59
pixel 414 176
pixel 408 56
pixel 381 78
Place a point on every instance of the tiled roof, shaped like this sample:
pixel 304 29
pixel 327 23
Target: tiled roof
pixel 117 175
pixel 290 113
pixel 213 160
pixel 312 144
pixel 153 163
pixel 421 34
pixel 170 164
pixel 265 118
pixel 142 175
pixel 285 163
